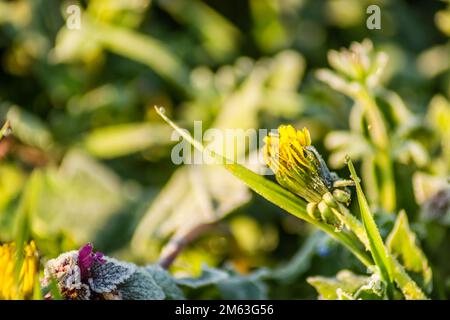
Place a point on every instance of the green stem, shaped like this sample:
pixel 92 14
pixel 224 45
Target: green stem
pixel 380 139
pixel 388 196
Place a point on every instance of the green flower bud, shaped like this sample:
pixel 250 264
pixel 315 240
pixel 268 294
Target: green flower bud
pixel 297 165
pixel 311 209
pixel 327 215
pixel 342 196
pixel 329 200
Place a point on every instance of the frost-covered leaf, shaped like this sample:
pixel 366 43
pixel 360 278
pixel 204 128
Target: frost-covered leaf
pixel 345 281
pixel 230 284
pixel 402 243
pixel 349 286
pixel 140 286
pixel 105 277
pixel 208 277
pixel 165 281
pixel 342 295
pixel 373 289
pixel 244 287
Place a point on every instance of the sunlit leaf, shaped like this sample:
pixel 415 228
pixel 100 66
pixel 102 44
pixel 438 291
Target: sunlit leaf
pixel 209 276
pixel 402 242
pixel 29 129
pixel 301 261
pixel 120 140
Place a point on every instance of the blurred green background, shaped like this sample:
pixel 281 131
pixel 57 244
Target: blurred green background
pixel 80 102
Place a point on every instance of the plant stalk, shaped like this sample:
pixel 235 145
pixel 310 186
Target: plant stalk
pixel 380 139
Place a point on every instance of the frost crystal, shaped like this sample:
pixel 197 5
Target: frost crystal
pixel 141 286
pixel 105 277
pixel 65 270
pixel 165 281
pixel 85 275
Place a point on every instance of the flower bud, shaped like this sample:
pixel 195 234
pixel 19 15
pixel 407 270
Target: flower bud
pixel 329 200
pixel 327 215
pixel 296 164
pixel 342 196
pixel 311 209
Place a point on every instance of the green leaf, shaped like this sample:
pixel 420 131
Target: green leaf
pixel 54 290
pixel 142 48
pixel 301 261
pixel 141 286
pixel 349 286
pixel 342 295
pixel 95 193
pixel 231 284
pixel 29 129
pixel 165 281
pixel 244 287
pixel 208 277
pixel 330 288
pixel 37 290
pixel 205 194
pixel 402 243
pixel 219 36
pixel 378 250
pixel 107 276
pixel 373 289
pixel 120 140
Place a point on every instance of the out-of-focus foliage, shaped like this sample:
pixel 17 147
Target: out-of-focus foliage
pixel 80 104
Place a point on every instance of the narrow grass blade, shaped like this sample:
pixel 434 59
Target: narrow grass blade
pixel 377 248
pixel 37 290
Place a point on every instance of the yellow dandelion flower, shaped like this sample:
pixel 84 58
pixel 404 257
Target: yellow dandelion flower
pixel 21 288
pixel 297 165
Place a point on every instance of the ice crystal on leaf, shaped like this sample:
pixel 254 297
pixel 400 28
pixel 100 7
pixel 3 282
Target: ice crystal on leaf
pixel 85 275
pixel 105 277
